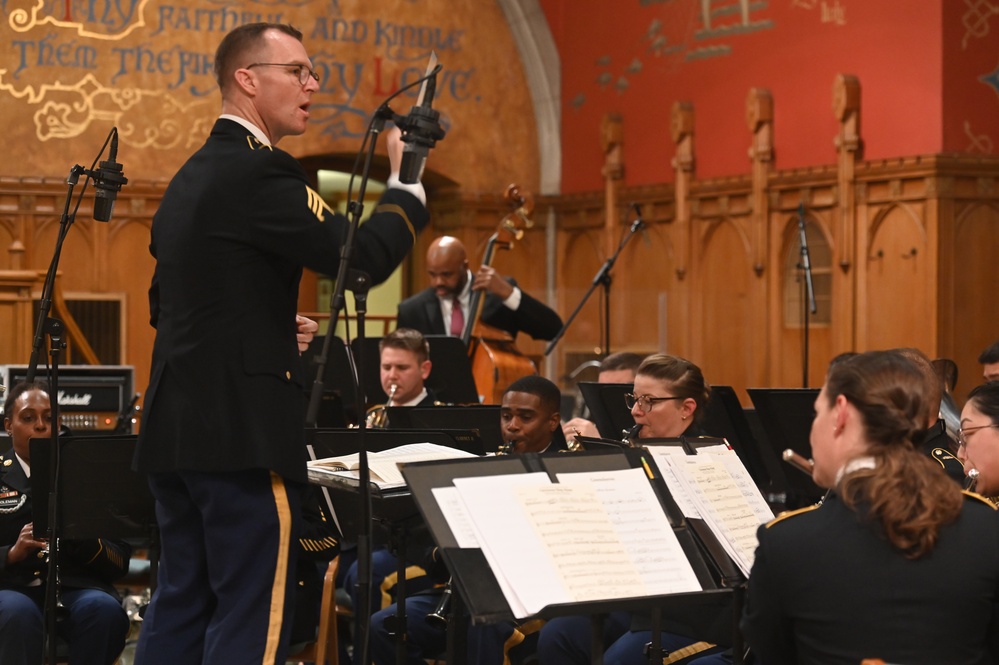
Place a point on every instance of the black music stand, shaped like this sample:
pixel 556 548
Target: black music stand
pixel 450 379
pixel 99 494
pixel 338 403
pixel 478 589
pixel 394 509
pixel 483 418
pixel 607 407
pixel 786 415
pixel 723 416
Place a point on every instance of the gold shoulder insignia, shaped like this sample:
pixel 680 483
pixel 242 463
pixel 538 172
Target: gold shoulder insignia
pixel 316 203
pixel 978 497
pixel 791 513
pixel 257 144
pixel 8 462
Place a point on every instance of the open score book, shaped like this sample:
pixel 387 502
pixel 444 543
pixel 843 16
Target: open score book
pixel 384 465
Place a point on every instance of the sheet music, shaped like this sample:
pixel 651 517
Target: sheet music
pixel 456 516
pixel 508 542
pixel 592 536
pixel 637 516
pixel 662 455
pixel 722 505
pixel 581 541
pixel 382 465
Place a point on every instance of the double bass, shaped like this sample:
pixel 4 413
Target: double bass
pixel 496 362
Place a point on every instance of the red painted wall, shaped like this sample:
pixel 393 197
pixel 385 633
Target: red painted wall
pixel 970 78
pixel 636 57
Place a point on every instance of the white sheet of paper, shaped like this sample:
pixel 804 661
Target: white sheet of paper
pixel 508 541
pixel 662 456
pixel 457 517
pixel 642 527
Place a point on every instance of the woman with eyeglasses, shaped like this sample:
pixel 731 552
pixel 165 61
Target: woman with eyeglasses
pixel 978 437
pixel 896 563
pixel 668 397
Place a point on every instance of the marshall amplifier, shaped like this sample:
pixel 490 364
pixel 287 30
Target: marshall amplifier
pixel 91 397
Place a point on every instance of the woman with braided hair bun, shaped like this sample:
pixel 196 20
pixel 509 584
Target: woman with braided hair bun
pixel 896 563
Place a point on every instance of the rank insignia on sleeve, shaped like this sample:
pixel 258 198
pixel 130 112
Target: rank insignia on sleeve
pixel 316 203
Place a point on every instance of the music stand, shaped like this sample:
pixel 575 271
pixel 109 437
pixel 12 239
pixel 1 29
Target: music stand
pixel 450 379
pixel 723 416
pixel 338 406
pixel 786 415
pixel 478 588
pixel 607 408
pixel 484 418
pixel 99 494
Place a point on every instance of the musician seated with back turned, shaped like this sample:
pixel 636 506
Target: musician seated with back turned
pixel 95 624
pixel 896 563
pixel 506 307
pixel 668 399
pixel 529 420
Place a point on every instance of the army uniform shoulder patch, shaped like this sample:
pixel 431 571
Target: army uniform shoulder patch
pixel 787 514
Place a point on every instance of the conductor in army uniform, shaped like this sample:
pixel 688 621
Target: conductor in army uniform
pixel 223 439
pixel 95 625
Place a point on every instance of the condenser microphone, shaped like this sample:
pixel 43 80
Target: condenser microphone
pixel 639 224
pixel 108 180
pixel 421 128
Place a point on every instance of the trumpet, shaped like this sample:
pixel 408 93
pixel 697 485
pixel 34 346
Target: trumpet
pixel 971 480
pixel 377 417
pixel 943 456
pixel 438 617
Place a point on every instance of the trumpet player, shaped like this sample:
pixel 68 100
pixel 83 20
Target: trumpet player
pixel 978 439
pixel 405 363
pixel 96 624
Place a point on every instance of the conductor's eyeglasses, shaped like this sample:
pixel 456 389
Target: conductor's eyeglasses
pixel 644 402
pixel 962 434
pixel 304 72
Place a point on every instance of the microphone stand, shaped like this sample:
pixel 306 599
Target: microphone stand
pixel 359 282
pixel 53 327
pixel 807 294
pixel 602 278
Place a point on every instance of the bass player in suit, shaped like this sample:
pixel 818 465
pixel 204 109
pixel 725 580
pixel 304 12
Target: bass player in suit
pixel 506 306
pixel 223 439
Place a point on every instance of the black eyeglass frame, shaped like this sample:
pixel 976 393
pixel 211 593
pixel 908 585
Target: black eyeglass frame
pixel 305 72
pixel 631 399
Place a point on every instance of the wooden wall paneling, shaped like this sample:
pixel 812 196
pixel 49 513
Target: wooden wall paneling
pixel 726 339
pixel 900 297
pixel 16 319
pixel 680 297
pixel 972 304
pixel 846 103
